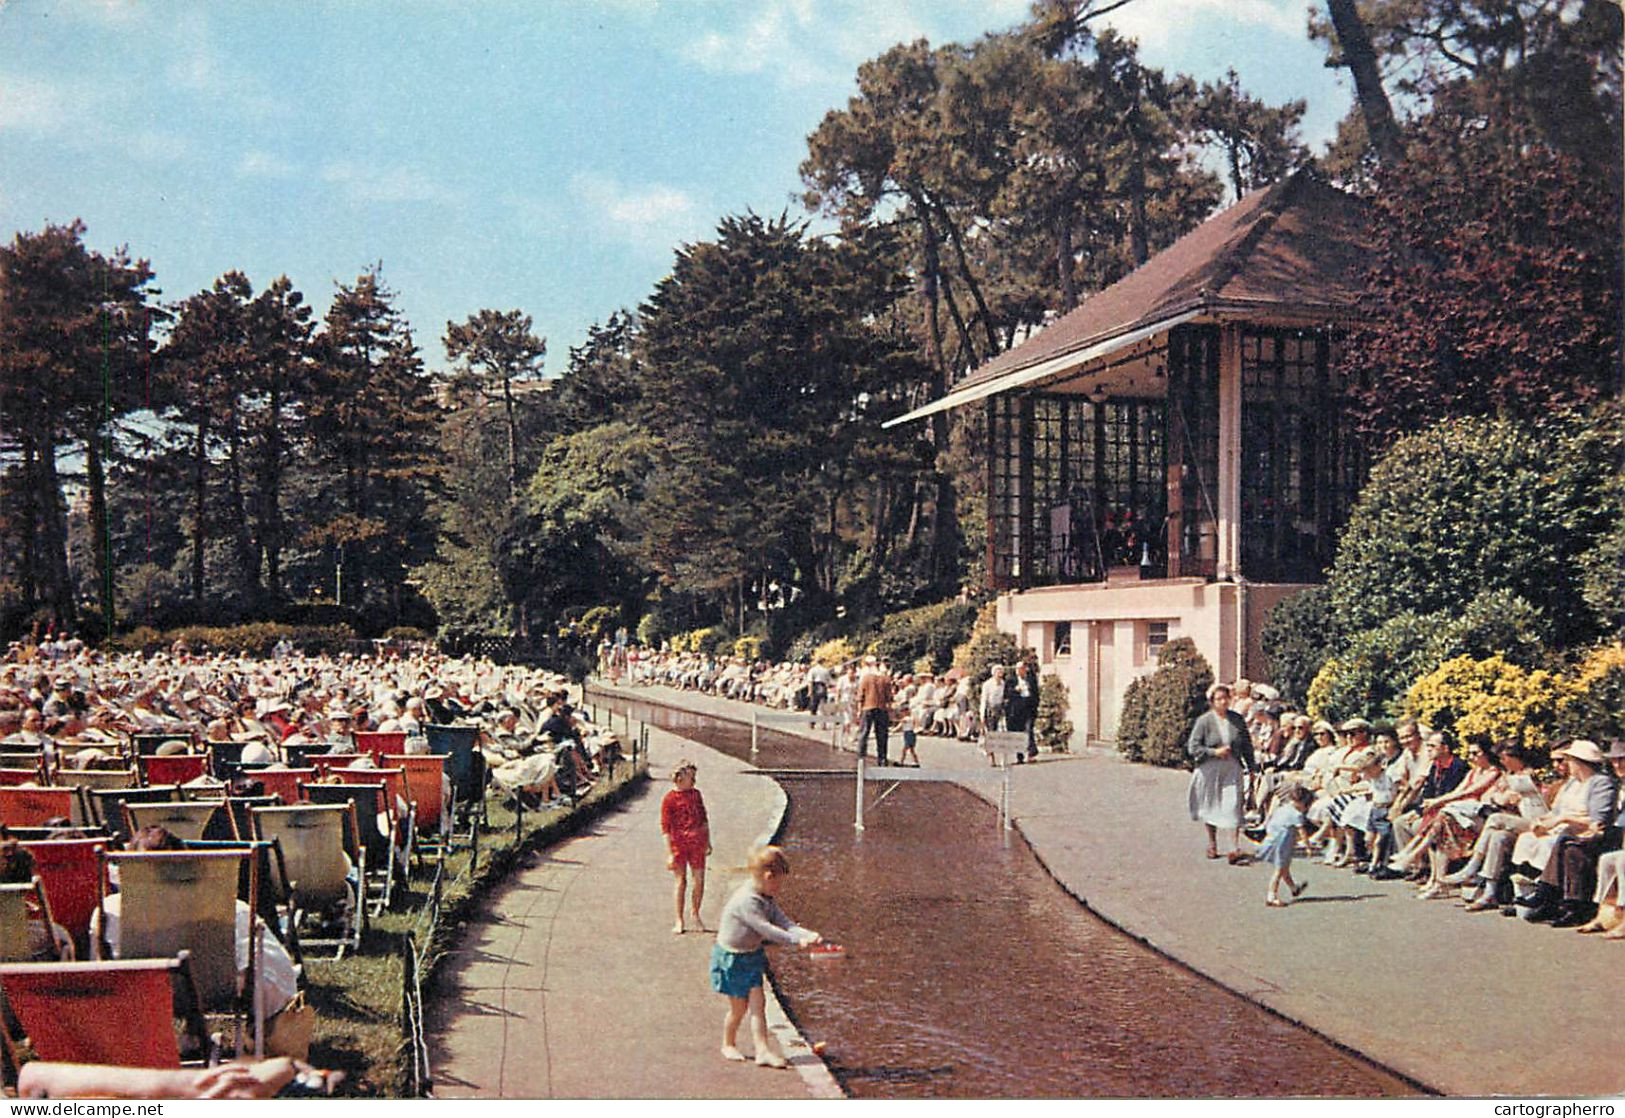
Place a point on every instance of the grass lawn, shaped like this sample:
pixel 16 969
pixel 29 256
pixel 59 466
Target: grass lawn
pixel 361 1028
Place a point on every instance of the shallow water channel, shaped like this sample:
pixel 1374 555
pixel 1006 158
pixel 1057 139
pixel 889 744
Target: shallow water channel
pixel 971 973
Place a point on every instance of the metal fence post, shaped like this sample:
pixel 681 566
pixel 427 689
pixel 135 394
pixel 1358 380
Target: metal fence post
pixel 857 823
pixel 754 731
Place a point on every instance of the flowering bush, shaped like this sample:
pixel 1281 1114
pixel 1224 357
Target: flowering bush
pixel 834 653
pixel 749 648
pixel 1594 706
pixel 1490 697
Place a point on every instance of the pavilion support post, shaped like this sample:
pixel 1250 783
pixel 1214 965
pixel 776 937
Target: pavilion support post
pixel 1229 495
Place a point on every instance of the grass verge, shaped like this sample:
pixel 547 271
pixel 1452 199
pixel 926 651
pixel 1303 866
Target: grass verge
pixel 358 1000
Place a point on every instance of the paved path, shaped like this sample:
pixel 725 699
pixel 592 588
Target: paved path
pixel 1467 1004
pixel 571 984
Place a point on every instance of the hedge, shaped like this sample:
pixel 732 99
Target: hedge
pixel 1161 706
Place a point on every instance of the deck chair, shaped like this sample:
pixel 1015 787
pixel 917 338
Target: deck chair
pixel 375 840
pixel 465 765
pixel 34 807
pixel 425 791
pixel 325 763
pixel 147 744
pixel 236 820
pixel 107 804
pixel 95 778
pixel 319 849
pixel 12 778
pixel 173 900
pixel 70 871
pixel 299 756
pixel 187 819
pixel 20 906
pixel 378 743
pixel 181 768
pixel 398 805
pixel 267 878
pixel 22 759
pixel 285 784
pixel 223 754
pixel 119 1012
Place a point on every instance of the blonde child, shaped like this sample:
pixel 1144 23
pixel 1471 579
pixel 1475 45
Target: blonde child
pixel 1281 838
pixel 751 919
pixel 688 839
pixel 911 735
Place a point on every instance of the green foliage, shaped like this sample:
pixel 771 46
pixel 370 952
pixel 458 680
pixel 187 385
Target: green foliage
pixel 989 648
pixel 1174 695
pixel 1466 507
pixel 748 647
pixel 257 638
pixel 929 633
pixel 405 633
pixel 1603 574
pixel 600 621
pixel 139 639
pixel 651 630
pixel 1131 719
pixel 1497 622
pixel 1052 729
pixel 1299 638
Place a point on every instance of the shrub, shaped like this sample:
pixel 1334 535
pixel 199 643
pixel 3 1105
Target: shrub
pixel 1052 729
pixel 1594 705
pixel 405 633
pixel 600 621
pixel 650 630
pixel 1131 719
pixel 1175 694
pixel 1490 697
pixel 1467 506
pixel 989 649
pixel 1497 622
pixel 987 622
pixel 1298 638
pixel 835 653
pixel 1603 574
pixel 748 647
pixel 928 632
pixel 1369 677
pixel 139 639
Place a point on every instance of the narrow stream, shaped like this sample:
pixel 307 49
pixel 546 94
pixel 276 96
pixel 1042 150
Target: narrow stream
pixel 970 973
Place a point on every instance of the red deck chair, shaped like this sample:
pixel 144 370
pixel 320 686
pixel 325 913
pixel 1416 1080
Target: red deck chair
pixel 425 776
pixel 327 762
pixel 119 1012
pixel 378 744
pixel 32 807
pixel 11 778
pixel 397 795
pixel 70 871
pixel 284 783
pixel 180 768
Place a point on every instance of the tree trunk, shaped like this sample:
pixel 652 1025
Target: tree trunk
pixel 271 492
pixel 96 480
pixel 970 281
pixel 199 502
pixel 1063 264
pixel 513 437
pixel 1362 63
pixel 58 587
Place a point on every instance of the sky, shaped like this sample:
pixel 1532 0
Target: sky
pixel 548 156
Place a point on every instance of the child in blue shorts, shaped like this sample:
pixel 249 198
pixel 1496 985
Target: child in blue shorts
pixel 751 919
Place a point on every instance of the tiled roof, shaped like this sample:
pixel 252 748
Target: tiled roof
pixel 1300 245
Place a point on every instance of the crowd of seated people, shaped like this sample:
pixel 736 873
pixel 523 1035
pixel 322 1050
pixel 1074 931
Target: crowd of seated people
pixel 230 723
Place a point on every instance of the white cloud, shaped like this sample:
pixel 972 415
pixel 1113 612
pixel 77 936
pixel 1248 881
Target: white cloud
pixel 777 38
pixel 654 213
pixel 259 164
pixel 32 105
pixel 386 185
pixel 1155 23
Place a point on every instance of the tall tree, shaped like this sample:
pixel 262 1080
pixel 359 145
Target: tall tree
pixel 492 351
pixel 280 330
pixel 1259 142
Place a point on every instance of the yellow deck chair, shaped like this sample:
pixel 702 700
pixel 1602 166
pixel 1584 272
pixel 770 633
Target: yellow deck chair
pixel 186 821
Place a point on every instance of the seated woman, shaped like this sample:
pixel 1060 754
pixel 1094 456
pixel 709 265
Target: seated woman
pixel 1584 803
pixel 1450 822
pixel 1519 802
pixel 1577 860
pixel 277 974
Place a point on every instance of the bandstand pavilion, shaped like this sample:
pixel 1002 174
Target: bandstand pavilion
pixel 1177 454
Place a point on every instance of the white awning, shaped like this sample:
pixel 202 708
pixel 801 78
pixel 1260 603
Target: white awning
pixel 1044 370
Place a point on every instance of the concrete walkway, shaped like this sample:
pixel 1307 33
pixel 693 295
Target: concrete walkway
pixel 1466 1004
pixel 572 985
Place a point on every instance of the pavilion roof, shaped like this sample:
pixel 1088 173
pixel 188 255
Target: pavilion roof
pixel 1299 247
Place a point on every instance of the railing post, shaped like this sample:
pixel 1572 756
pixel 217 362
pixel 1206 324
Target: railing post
pixel 857 822
pixel 754 732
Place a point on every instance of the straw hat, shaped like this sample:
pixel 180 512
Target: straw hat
pixel 1583 749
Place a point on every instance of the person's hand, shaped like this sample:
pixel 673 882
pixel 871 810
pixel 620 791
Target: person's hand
pixel 707 850
pixel 238 1081
pixel 1222 752
pixel 811 938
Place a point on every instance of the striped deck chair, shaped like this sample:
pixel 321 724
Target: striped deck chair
pixel 119 1013
pixel 285 784
pixel 186 819
pixel 179 768
pixel 174 900
pixel 70 872
pixel 34 807
pixel 319 851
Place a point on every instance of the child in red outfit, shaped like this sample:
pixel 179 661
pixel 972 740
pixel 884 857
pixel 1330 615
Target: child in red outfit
pixel 688 838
